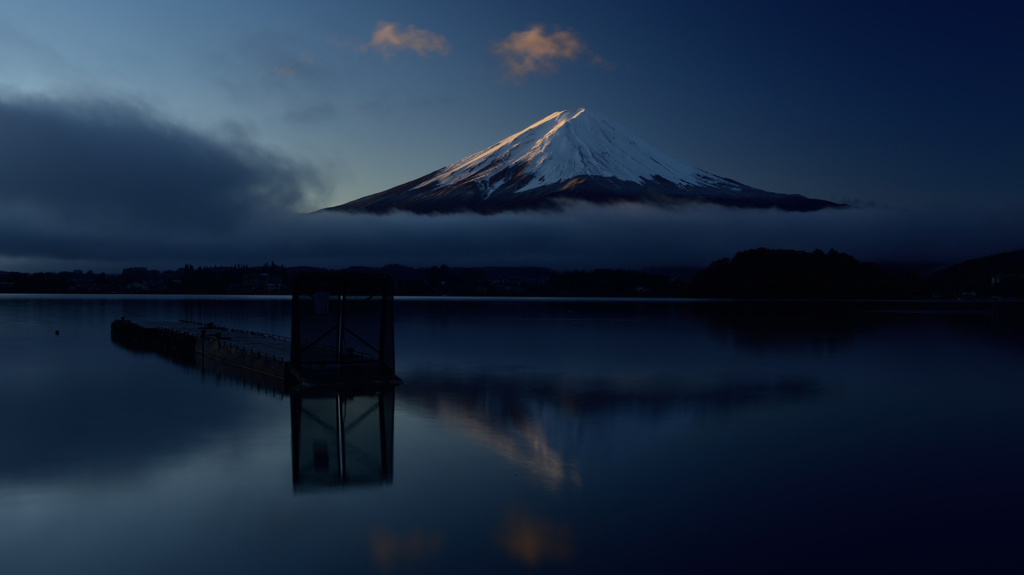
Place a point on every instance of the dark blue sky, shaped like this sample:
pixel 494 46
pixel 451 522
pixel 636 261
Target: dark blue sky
pixel 906 106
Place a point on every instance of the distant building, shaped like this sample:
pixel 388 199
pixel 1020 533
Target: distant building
pixel 1004 279
pixel 262 282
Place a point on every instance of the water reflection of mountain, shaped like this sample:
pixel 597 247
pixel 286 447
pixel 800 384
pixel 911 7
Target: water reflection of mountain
pixel 552 425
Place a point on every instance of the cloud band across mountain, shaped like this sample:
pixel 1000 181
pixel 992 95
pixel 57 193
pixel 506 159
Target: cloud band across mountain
pixel 583 236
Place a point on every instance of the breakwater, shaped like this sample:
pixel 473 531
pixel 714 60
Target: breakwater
pixel 186 341
pixel 266 355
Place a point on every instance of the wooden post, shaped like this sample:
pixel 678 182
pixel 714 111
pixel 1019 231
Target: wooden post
pixel 296 354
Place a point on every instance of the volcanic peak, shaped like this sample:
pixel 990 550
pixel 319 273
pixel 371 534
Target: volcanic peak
pixel 566 145
pixel 574 156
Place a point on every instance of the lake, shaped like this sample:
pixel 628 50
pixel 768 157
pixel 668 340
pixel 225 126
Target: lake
pixel 570 436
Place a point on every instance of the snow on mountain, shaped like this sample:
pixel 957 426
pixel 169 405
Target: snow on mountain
pixel 570 155
pixel 566 145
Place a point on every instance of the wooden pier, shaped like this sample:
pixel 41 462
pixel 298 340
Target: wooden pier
pixel 342 334
pixel 183 340
pixel 192 343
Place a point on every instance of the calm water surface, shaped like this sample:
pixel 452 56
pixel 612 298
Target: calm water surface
pixel 529 436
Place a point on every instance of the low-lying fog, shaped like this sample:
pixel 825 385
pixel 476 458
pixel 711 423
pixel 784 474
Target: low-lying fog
pixel 99 185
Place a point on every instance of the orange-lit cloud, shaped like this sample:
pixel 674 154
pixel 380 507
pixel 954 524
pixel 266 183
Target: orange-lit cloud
pixel 534 51
pixel 533 540
pixel 388 38
pixel 391 548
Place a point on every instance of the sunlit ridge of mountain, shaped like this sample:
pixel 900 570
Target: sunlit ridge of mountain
pixel 570 156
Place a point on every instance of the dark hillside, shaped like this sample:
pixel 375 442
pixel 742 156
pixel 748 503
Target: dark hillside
pixel 773 274
pixel 997 275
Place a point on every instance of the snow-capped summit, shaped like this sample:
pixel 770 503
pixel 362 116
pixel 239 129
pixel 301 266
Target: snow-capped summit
pixel 569 155
pixel 566 145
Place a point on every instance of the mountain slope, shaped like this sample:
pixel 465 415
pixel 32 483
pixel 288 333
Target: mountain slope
pixel 579 156
pixel 999 274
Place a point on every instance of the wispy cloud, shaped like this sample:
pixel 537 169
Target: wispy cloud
pixel 597 60
pixel 389 38
pixel 286 71
pixel 533 50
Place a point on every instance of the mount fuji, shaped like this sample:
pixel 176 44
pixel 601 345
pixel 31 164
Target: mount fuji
pixel 570 156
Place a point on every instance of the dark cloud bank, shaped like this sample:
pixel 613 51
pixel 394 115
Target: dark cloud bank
pixel 105 185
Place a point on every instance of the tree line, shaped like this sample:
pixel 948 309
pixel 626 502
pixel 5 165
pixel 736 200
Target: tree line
pixel 759 273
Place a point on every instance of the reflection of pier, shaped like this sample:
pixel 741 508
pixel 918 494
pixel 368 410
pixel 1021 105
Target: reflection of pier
pixel 342 434
pixel 342 439
pixel 338 367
